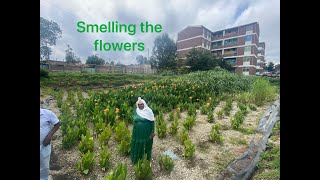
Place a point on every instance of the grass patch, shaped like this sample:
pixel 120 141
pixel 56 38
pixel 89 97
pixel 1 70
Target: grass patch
pixel 238 141
pixel 269 174
pixel 269 164
pixel 223 159
pixel 97 80
pixel 250 130
pixel 203 147
pixel 262 91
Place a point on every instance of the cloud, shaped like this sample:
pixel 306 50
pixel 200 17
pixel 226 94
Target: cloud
pixel 172 15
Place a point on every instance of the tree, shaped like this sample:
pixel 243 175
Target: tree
pixel 277 67
pixel 164 52
pixel 112 62
pixel 270 66
pixel 201 60
pixel 70 56
pixel 142 60
pixel 225 65
pixel 49 33
pixel 95 59
pixel 45 52
pixel 153 62
pixel 119 63
pixel 265 66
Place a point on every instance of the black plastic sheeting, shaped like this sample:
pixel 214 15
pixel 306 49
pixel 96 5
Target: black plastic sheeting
pixel 245 166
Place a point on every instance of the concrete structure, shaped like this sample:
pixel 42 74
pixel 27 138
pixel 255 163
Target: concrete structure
pixel 107 68
pixel 238 46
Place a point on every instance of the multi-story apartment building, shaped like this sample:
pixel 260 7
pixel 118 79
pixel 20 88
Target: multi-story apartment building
pixel 261 60
pixel 238 46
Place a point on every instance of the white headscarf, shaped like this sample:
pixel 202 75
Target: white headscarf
pixel 146 112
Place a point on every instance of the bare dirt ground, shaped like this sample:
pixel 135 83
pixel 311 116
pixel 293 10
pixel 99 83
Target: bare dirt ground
pixel 209 160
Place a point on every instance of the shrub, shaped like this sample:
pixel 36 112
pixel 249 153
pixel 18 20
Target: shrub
pixel 86 143
pixel 119 173
pixel 189 149
pixel 142 169
pixel 86 162
pixel 166 163
pixel 104 161
pixel 215 135
pixel 44 73
pixel 262 91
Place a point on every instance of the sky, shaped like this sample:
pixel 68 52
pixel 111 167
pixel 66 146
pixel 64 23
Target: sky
pixel 173 15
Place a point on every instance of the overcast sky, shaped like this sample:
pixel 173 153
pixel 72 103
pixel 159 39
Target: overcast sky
pixel 173 15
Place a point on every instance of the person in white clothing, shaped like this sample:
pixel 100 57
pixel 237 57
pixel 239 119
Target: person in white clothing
pixel 49 124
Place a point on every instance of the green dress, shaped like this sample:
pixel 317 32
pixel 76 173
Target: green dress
pixel 141 142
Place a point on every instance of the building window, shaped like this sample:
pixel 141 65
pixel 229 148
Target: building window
pixel 217 43
pixel 247 49
pixel 231 31
pixel 245 69
pixel 232 51
pixel 217 34
pixel 248 38
pixel 231 61
pixel 249 28
pixel 246 59
pixel 217 53
pixel 231 41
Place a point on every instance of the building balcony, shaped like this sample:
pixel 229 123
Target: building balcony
pixel 230 54
pixel 259 61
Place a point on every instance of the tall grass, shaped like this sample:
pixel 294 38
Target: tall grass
pixel 262 92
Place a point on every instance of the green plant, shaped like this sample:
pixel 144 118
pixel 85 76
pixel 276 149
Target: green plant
pixel 183 136
pixel 70 138
pixel 171 116
pixel 82 124
pixel 189 122
pixel 105 135
pixel 118 173
pixel 204 109
pixel 228 107
pixel 192 110
pixel 86 143
pixel 242 107
pixel 189 149
pixel 178 113
pixel 104 161
pixel 237 120
pixel 215 134
pixel 142 169
pixel 86 162
pixel 210 117
pixel 124 146
pixel 252 107
pixel 220 114
pixel 100 126
pixel 174 127
pixel 262 91
pixel 44 73
pixel 165 163
pixel 120 129
pixel 161 127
